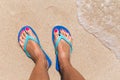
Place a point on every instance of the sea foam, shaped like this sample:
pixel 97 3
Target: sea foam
pixel 102 19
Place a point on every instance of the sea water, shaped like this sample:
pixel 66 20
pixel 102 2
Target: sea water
pixel 102 19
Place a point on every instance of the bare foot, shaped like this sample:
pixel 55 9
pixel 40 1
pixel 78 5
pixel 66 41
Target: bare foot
pixel 33 48
pixel 63 48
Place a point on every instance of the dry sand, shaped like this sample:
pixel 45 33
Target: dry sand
pixel 90 57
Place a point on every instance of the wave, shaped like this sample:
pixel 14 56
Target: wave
pixel 102 19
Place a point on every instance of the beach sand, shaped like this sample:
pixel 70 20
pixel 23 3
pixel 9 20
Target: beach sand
pixel 90 57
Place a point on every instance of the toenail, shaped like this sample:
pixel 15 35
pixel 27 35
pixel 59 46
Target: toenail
pixel 27 28
pixel 55 30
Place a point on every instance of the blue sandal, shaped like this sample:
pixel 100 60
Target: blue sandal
pixel 28 37
pixel 57 42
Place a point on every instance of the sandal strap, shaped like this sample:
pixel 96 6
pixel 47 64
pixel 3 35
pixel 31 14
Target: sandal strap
pixel 64 38
pixel 28 37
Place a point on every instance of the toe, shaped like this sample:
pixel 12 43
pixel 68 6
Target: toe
pixel 62 32
pixel 21 44
pixel 66 34
pixel 21 38
pixel 21 41
pixel 56 34
pixel 23 35
pixel 70 38
pixel 29 31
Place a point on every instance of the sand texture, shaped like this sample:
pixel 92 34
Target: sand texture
pixel 93 60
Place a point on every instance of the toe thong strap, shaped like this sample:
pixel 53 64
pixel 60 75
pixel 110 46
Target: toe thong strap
pixel 64 38
pixel 28 37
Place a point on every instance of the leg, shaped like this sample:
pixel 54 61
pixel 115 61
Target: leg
pixel 40 71
pixel 69 73
pixel 66 70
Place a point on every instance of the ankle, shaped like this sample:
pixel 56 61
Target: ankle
pixel 65 67
pixel 64 63
pixel 42 63
pixel 40 58
pixel 38 55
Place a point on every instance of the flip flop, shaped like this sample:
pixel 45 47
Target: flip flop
pixel 57 42
pixel 28 37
